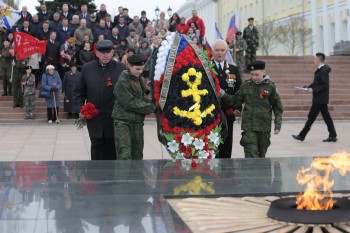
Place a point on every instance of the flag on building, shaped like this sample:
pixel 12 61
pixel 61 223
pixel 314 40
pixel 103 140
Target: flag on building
pixel 233 27
pixel 27 45
pixel 208 49
pixel 8 15
pixel 219 36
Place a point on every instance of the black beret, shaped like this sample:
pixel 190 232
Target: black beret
pixel 6 40
pixel 257 65
pixel 238 33
pixel 251 18
pixel 104 46
pixel 137 60
pixel 92 16
pixel 28 67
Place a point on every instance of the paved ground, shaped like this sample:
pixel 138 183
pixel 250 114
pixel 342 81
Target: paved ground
pixel 65 142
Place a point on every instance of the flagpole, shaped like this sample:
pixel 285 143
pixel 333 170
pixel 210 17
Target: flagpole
pixel 11 72
pixel 234 49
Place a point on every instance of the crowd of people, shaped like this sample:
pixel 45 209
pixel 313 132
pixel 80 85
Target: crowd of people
pixel 71 43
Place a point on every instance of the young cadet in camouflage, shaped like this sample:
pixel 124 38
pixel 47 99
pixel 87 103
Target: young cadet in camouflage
pixel 251 37
pixel 241 46
pixel 260 97
pixel 28 83
pixel 129 110
pixel 18 70
pixel 6 66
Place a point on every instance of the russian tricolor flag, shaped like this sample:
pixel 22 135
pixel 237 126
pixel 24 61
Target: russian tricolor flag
pixel 233 27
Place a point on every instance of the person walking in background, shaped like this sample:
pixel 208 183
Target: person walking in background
pixel 320 100
pixel 71 78
pixel 240 45
pixel 251 37
pixel 51 81
pixel 28 83
pixel 129 110
pixel 260 98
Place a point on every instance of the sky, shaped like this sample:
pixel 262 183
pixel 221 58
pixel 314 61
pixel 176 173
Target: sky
pixel 135 6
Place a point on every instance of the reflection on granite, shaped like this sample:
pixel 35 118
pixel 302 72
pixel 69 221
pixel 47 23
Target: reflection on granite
pixel 129 196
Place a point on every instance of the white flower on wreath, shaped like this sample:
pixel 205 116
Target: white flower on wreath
pixel 212 152
pixel 186 164
pixel 202 154
pixel 198 144
pixel 187 139
pixel 179 155
pixel 214 138
pixel 162 55
pixel 173 146
pixel 213 163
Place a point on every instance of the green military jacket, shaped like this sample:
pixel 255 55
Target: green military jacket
pixel 251 36
pixel 130 104
pixel 6 58
pixel 241 45
pixel 259 100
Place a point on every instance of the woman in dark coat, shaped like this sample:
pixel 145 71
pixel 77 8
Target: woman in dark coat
pixel 70 80
pixel 86 55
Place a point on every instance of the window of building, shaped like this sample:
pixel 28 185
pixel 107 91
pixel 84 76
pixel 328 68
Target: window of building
pixel 291 3
pixel 283 4
pixel 257 9
pixel 320 39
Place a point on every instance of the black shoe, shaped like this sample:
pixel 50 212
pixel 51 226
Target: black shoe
pixel 298 137
pixel 5 94
pixel 14 106
pixel 330 139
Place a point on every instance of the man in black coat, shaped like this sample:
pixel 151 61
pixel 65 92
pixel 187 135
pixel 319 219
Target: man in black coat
pixel 43 14
pixel 230 81
pixel 44 32
pixel 25 16
pixel 52 55
pixel 96 86
pixel 320 100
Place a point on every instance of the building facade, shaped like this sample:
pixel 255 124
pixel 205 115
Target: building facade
pixel 324 22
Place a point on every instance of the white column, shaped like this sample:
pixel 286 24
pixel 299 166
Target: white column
pixel 337 21
pixel 314 26
pixel 325 27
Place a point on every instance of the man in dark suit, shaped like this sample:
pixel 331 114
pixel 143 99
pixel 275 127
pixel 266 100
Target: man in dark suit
pixel 43 14
pixel 84 13
pixel 65 13
pixel 64 32
pixel 96 86
pixel 44 32
pixel 26 28
pixel 52 55
pixel 230 81
pixel 320 100
pixel 25 16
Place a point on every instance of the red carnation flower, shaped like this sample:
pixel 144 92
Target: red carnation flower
pixel 182 149
pixel 194 163
pixel 178 138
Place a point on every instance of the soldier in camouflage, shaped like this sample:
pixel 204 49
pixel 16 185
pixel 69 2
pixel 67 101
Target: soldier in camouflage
pixel 18 71
pixel 129 110
pixel 260 97
pixel 251 37
pixel 240 45
pixel 6 66
pixel 28 83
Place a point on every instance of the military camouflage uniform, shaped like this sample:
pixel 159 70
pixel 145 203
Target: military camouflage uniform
pixel 18 71
pixel 6 66
pixel 29 95
pixel 257 115
pixel 241 45
pixel 251 37
pixel 129 112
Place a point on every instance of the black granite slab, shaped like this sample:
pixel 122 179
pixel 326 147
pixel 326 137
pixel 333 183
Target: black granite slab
pixel 130 196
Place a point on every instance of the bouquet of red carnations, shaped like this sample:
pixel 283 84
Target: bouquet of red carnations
pixel 88 111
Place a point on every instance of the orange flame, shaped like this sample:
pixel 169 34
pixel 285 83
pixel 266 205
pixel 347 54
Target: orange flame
pixel 318 192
